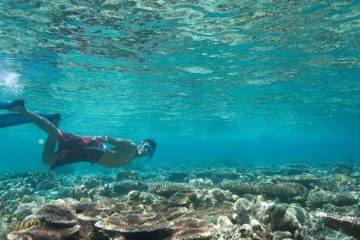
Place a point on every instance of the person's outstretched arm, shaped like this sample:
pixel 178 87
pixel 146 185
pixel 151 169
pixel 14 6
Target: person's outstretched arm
pixel 114 141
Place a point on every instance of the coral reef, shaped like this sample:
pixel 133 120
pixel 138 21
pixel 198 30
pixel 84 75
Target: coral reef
pixel 307 180
pixel 318 198
pixel 122 175
pixel 280 219
pixel 259 203
pixel 215 175
pixel 241 188
pixel 348 224
pixel 57 215
pixel 242 210
pixel 201 182
pixel 45 233
pixel 131 225
pixel 282 190
pixel 192 229
pixel 166 189
pixel 124 187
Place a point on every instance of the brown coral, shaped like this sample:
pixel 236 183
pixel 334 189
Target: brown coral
pixel 166 189
pixel 240 188
pixel 133 223
pixel 348 224
pixel 182 198
pixel 88 212
pixel 318 198
pixel 44 232
pixel 58 215
pixel 175 212
pixel 124 187
pixel 283 190
pixel 192 229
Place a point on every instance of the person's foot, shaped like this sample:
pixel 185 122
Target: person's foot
pixel 17 105
pixel 17 109
pixel 56 119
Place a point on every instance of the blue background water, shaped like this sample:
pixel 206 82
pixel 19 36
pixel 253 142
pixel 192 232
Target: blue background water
pixel 218 83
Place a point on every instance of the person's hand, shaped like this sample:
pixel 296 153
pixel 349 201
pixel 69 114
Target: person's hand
pixel 101 138
pixel 104 138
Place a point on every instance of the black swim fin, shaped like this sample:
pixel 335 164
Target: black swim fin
pixel 13 119
pixel 7 105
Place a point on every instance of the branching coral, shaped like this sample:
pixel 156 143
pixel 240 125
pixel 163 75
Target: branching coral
pixel 282 190
pixel 241 188
pixel 317 198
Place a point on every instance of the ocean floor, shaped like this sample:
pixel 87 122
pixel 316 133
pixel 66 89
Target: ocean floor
pixel 283 202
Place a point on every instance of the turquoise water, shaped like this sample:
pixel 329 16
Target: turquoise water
pixel 219 83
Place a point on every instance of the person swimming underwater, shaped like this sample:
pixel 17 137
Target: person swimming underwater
pixel 72 148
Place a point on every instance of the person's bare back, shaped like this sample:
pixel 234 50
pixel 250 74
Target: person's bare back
pixel 121 154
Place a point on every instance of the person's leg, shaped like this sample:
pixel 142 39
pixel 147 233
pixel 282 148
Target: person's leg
pixel 41 122
pixel 49 155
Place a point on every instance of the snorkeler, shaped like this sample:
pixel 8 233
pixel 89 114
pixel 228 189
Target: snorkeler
pixel 72 148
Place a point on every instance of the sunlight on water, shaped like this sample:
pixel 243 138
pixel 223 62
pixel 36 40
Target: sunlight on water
pixel 201 66
pixel 8 79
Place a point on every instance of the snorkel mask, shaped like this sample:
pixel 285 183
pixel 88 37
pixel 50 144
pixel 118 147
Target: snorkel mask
pixel 148 147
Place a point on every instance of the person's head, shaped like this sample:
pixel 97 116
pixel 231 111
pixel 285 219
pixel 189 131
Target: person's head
pixel 147 147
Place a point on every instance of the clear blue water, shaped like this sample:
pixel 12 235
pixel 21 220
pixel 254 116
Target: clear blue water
pixel 216 82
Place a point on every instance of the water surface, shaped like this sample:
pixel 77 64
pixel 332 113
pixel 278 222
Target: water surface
pixel 214 81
